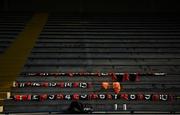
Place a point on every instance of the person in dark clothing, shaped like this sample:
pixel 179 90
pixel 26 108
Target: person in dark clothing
pixel 76 108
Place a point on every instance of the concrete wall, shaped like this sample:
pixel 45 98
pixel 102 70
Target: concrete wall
pixel 91 6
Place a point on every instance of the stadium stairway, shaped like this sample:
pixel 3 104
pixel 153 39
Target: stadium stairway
pixel 12 59
pixel 144 44
pixel 11 24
